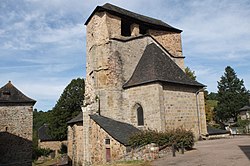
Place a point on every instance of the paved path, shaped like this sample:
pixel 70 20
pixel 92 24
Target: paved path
pixel 221 152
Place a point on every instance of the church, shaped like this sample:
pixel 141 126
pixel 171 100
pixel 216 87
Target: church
pixel 135 80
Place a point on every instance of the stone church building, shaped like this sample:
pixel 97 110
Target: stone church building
pixel 16 121
pixel 135 80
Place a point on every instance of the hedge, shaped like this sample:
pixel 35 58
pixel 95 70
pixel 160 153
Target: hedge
pixel 178 136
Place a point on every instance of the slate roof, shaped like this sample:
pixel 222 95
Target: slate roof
pixel 137 18
pixel 215 131
pixel 118 130
pixel 156 66
pixel 43 133
pixel 78 118
pixel 245 108
pixel 10 94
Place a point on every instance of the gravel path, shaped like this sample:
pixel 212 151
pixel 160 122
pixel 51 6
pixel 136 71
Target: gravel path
pixel 234 151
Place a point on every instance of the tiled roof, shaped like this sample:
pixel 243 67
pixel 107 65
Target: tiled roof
pixel 156 66
pixel 10 94
pixel 215 131
pixel 245 108
pixel 118 130
pixel 43 133
pixel 78 118
pixel 137 18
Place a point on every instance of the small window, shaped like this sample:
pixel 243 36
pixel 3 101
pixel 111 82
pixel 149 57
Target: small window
pixel 125 28
pixel 140 118
pixel 107 141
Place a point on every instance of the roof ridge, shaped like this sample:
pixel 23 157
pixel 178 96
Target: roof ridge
pixel 149 21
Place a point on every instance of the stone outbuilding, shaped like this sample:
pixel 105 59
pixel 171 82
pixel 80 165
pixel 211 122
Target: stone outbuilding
pixel 135 75
pixel 16 121
pixel 108 139
pixel 45 141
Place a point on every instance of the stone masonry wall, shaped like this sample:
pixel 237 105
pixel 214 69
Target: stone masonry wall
pixel 181 109
pixel 148 96
pixel 98 146
pixel 110 63
pixel 75 144
pixel 172 42
pixel 16 134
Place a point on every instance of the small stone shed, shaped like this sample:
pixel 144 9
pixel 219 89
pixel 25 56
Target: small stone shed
pixel 45 140
pixel 108 139
pixel 16 121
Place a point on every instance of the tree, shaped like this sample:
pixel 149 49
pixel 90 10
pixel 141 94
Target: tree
pixel 190 73
pixel 66 108
pixel 232 95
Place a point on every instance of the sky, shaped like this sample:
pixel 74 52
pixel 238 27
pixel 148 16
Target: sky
pixel 42 42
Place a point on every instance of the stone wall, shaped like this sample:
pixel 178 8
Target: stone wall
pixel 111 62
pixel 148 96
pixel 75 144
pixel 53 145
pixel 98 146
pixel 181 109
pixel 16 135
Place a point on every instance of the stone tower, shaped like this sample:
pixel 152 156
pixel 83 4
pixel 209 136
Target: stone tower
pixel 135 74
pixel 16 121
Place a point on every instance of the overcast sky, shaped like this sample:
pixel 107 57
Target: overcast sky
pixel 42 42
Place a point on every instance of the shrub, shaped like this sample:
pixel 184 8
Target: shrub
pixel 38 152
pixel 177 136
pixel 63 149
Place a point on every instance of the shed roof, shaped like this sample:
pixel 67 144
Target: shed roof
pixel 43 133
pixel 245 108
pixel 156 66
pixel 215 131
pixel 10 94
pixel 78 118
pixel 120 131
pixel 137 18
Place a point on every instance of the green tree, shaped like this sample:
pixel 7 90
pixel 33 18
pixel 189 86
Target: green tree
pixel 232 95
pixel 190 73
pixel 67 107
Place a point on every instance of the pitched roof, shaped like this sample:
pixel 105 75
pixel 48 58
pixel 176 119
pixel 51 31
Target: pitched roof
pixel 215 131
pixel 78 118
pixel 118 130
pixel 245 108
pixel 43 133
pixel 10 94
pixel 155 66
pixel 137 18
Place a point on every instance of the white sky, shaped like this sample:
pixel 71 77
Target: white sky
pixel 42 42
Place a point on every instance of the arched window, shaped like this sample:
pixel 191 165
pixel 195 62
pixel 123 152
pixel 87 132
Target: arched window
pixel 140 117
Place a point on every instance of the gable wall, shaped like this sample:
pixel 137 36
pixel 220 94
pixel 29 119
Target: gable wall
pixel 98 147
pixel 17 147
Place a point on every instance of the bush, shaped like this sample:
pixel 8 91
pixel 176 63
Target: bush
pixel 63 149
pixel 38 152
pixel 177 136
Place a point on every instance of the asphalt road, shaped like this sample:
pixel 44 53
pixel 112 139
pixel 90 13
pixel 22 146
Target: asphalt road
pixel 234 151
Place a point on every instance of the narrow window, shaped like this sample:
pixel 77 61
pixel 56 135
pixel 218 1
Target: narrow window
pixel 143 30
pixel 140 118
pixel 125 28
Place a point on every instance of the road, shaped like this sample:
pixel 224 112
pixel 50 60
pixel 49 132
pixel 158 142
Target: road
pixel 234 151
